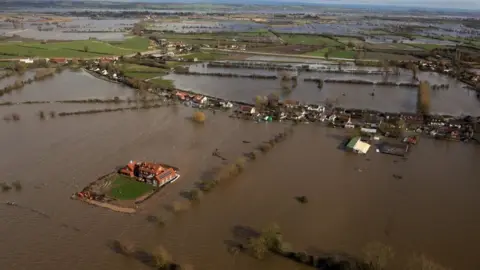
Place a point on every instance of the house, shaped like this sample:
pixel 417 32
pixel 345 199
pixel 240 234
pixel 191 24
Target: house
pixel 59 60
pixel 115 76
pixel 247 110
pixel 26 61
pixel 226 104
pixel 200 99
pixel 357 146
pixel 104 72
pixel 371 131
pixel 182 95
pixel 349 124
pixel 290 103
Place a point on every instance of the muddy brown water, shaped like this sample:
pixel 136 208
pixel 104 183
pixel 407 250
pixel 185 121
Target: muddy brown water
pixel 433 209
pixel 70 85
pixel 457 100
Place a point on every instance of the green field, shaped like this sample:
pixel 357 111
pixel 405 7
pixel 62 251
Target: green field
pixel 160 82
pixel 78 48
pixel 342 54
pixel 127 188
pixel 427 47
pixel 318 53
pixel 295 39
pixel 333 53
pixel 141 72
pixel 133 43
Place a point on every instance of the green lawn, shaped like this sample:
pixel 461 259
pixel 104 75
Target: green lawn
pixel 309 40
pixel 133 43
pixel 160 82
pixel 318 53
pixel 4 64
pixel 333 53
pixel 427 47
pixel 342 54
pixel 141 72
pixel 127 188
pixel 78 48
pixel 128 67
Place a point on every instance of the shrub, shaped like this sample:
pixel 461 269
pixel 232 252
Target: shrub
pixel 265 147
pixel 41 114
pixel 179 206
pixel 5 187
pixel 124 248
pixel 161 257
pixel 302 257
pixel 240 163
pixel 15 117
pixel 207 185
pixel 258 247
pixel 193 195
pixel 17 185
pixel 198 117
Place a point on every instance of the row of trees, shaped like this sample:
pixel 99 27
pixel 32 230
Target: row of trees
pixel 157 257
pixel 375 255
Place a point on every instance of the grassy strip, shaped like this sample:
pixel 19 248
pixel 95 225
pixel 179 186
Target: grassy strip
pixel 127 188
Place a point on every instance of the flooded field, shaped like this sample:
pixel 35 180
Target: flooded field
pixel 455 101
pixel 354 200
pixel 11 79
pixel 69 85
pixel 71 28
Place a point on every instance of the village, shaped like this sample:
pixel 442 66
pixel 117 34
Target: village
pixel 364 126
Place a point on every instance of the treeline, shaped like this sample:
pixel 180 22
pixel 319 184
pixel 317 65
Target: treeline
pixel 353 81
pixel 19 84
pixel 158 257
pixel 234 169
pixel 228 75
pixel 376 255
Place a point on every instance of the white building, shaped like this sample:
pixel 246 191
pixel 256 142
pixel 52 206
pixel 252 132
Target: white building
pixel 26 61
pixel 357 146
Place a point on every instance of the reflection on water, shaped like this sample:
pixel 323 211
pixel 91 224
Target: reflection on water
pixel 455 101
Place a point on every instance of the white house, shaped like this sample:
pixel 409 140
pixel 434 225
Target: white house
pixel 104 72
pixel 226 104
pixel 369 130
pixel 248 109
pixel 114 76
pixel 357 146
pixel 26 61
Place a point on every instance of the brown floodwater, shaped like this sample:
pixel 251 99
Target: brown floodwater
pixel 69 85
pixel 457 100
pixel 353 200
